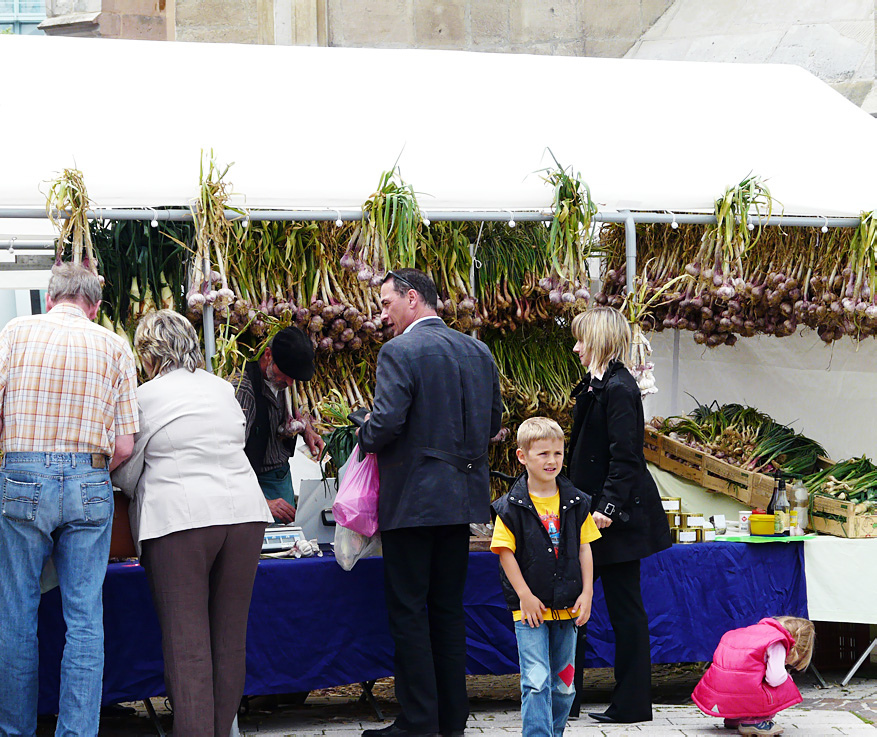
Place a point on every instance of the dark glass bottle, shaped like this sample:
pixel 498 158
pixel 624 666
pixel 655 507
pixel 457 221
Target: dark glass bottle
pixel 779 507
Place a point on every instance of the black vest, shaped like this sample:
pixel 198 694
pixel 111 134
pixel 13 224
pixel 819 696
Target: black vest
pixel 555 580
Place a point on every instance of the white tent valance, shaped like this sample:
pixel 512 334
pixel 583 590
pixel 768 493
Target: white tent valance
pixel 315 127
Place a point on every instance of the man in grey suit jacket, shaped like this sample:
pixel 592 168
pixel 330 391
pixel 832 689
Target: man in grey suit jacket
pixel 437 405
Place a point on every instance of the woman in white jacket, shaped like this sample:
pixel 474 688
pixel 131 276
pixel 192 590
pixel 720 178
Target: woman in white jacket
pixel 198 518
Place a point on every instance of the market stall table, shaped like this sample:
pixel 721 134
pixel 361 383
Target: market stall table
pixel 313 625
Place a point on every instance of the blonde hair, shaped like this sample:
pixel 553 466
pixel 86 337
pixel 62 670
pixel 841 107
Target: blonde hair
pixel 536 429
pixel 168 341
pixel 805 638
pixel 605 334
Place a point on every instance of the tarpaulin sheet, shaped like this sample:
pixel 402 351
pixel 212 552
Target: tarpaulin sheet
pixel 313 625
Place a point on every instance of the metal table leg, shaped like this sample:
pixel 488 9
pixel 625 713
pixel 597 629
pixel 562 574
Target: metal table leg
pixel 815 672
pixel 153 717
pixel 368 696
pixel 859 662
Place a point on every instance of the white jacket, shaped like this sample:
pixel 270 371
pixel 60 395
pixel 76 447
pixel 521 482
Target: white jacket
pixel 188 468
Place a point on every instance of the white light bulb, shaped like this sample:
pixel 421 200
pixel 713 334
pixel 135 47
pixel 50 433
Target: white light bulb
pixel 751 226
pixel 426 222
pixel 154 222
pixel 674 225
pixel 824 228
pixel 246 223
pixel 339 222
pixel 511 223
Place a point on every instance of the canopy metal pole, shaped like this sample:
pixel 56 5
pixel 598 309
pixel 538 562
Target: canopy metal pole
pixel 207 325
pixel 500 215
pixel 674 376
pixel 209 337
pixel 629 250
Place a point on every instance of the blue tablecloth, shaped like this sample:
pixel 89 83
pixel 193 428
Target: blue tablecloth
pixel 313 625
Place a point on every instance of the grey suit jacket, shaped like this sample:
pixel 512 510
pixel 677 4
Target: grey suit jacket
pixel 437 404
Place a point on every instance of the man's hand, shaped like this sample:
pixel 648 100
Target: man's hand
pixel 531 609
pixel 313 440
pixel 583 607
pixel 601 520
pixel 281 510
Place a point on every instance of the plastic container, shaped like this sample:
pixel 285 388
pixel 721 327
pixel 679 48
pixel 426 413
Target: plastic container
pixel 761 524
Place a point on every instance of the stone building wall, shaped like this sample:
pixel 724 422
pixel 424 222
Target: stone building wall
pixel 833 40
pixel 137 19
pixel 562 27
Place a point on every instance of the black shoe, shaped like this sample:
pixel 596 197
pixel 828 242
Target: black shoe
pixel 394 731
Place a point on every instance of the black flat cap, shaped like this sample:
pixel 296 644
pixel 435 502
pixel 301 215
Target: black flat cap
pixel 293 353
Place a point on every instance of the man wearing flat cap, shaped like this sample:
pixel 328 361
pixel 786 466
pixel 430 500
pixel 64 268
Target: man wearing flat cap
pixel 259 389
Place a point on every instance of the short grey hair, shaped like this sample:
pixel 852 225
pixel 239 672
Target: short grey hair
pixel 72 282
pixel 168 341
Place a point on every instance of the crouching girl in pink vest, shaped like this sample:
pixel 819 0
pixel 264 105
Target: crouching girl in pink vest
pixel 747 683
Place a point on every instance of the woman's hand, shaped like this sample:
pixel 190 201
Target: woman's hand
pixel 601 520
pixel 531 609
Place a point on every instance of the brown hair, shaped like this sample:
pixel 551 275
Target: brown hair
pixel 805 638
pixel 605 334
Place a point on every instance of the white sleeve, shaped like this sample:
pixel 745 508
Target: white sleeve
pixel 776 674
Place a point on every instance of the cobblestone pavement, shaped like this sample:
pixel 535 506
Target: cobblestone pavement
pixel 836 710
pixel 833 711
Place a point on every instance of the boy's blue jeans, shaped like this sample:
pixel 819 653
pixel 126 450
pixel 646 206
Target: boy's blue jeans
pixel 53 504
pixel 547 655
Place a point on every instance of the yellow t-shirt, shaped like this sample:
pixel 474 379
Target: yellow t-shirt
pixel 548 509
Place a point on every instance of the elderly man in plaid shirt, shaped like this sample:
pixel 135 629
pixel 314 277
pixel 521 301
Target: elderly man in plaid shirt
pixel 68 414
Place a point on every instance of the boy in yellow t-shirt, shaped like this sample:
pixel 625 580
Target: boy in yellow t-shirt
pixel 542 533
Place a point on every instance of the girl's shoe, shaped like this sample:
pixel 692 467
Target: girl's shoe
pixel 764 727
pixel 732 723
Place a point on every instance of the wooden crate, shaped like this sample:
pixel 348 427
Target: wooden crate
pixel 652 446
pixel 726 479
pixel 761 488
pixel 713 474
pixel 848 524
pixel 681 460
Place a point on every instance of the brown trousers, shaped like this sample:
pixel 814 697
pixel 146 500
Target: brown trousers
pixel 201 582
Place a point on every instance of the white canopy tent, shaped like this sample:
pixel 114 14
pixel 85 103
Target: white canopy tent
pixel 312 128
pixel 315 127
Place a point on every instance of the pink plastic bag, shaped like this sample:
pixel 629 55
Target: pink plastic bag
pixel 356 504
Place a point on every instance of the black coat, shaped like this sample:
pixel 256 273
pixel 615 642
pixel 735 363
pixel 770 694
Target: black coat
pixel 556 580
pixel 437 404
pixel 606 461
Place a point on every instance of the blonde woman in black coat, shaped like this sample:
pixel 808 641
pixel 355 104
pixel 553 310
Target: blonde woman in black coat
pixel 606 461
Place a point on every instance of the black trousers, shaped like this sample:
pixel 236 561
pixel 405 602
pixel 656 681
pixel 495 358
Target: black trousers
pixel 424 576
pixel 632 695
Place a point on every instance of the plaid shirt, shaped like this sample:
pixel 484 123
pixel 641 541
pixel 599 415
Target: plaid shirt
pixel 66 384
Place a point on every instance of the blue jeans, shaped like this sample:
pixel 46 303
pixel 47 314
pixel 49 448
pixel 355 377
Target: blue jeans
pixel 547 655
pixel 53 504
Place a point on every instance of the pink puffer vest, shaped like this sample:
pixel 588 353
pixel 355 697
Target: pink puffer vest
pixel 734 686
